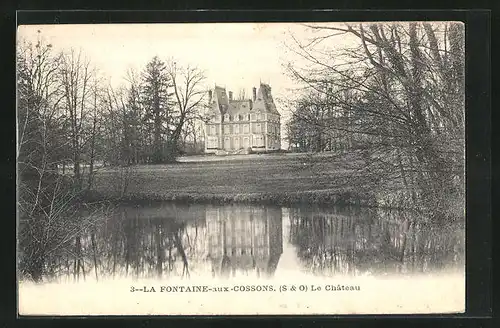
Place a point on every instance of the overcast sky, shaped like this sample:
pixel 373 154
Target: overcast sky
pixel 235 55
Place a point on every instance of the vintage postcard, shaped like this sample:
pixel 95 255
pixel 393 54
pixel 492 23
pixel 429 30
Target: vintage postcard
pixel 241 168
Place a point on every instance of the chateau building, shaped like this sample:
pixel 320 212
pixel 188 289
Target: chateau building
pixel 242 125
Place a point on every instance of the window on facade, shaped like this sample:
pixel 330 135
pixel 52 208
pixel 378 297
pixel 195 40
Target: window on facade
pixel 258 128
pixel 258 117
pixel 245 128
pixel 252 117
pixel 258 141
pixel 212 142
pixel 236 128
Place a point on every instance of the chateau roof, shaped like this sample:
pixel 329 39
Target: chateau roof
pixel 220 95
pixel 239 106
pixel 263 103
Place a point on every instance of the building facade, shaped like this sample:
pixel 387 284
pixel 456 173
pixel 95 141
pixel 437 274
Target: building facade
pixel 242 125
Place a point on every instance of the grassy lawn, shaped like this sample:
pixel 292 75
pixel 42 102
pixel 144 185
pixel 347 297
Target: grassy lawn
pixel 279 178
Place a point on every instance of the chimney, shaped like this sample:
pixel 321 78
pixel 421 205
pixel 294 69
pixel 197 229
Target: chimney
pixel 209 96
pixel 254 92
pixel 230 95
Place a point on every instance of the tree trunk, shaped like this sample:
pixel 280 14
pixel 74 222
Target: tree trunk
pixel 159 251
pixel 78 252
pixel 92 153
pixel 180 249
pixel 92 238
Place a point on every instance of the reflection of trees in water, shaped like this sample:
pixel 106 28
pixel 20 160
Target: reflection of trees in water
pixel 183 240
pixel 353 242
pixel 129 243
pixel 176 240
pixel 145 247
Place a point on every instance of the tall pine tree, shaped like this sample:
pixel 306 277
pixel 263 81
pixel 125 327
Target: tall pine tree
pixel 156 100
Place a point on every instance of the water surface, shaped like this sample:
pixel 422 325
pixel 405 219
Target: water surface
pixel 168 239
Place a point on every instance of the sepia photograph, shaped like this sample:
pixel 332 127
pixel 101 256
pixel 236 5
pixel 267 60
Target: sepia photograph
pixel 241 168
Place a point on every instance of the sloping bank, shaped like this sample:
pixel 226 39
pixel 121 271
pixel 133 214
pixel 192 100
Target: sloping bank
pixel 276 198
pixel 161 189
pixel 270 180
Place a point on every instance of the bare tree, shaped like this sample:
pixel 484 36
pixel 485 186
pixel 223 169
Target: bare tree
pixel 95 126
pixel 135 114
pixel 36 114
pixel 53 129
pixel 189 94
pixel 119 137
pixel 76 75
pixel 405 104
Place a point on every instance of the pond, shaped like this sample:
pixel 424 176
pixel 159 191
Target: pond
pixel 167 239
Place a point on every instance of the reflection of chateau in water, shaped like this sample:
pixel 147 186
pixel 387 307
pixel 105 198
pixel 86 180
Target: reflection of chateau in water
pixel 344 242
pixel 245 239
pixel 172 240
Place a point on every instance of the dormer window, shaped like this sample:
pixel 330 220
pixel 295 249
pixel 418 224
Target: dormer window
pixel 226 117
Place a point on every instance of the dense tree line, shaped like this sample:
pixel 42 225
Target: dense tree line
pixel 70 122
pixel 332 242
pixel 396 95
